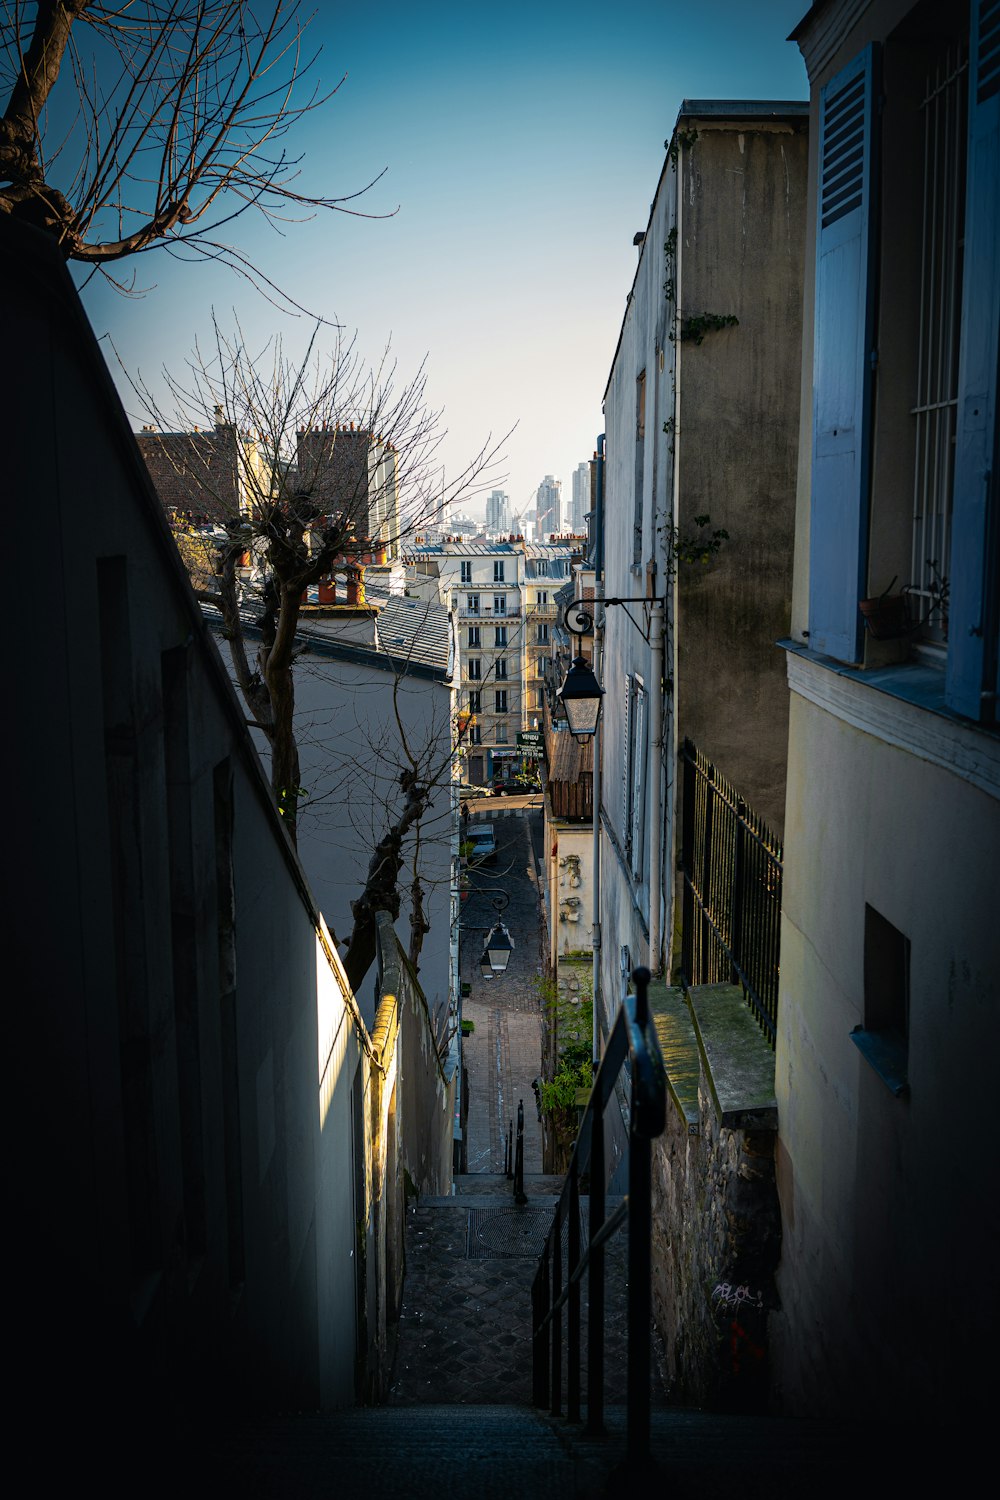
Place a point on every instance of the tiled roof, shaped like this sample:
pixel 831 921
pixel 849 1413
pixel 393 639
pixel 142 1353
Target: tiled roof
pixel 415 630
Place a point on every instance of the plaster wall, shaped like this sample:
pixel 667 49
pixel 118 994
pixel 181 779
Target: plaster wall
pixel 571 881
pixel 186 1043
pixel 886 1203
pixel 644 349
pixel 351 756
pixel 741 248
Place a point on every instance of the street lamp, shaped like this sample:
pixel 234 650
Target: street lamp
pixel 499 946
pixel 499 943
pixel 581 696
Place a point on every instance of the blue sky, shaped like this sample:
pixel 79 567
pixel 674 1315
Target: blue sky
pixel 522 145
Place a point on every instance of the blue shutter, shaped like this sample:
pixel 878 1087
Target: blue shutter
pixel 842 362
pixel 972 569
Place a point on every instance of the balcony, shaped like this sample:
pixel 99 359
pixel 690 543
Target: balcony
pixel 487 612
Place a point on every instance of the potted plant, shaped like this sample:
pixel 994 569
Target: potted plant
pixel 887 615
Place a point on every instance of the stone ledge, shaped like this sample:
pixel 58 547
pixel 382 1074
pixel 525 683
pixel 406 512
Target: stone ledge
pixel 679 1046
pixel 739 1064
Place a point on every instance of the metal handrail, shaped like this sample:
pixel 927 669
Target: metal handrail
pixel 632 1036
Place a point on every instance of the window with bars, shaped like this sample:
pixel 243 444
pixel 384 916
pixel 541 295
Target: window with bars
pixel 943 111
pixel 904 435
pixel 640 466
pixel 634 772
pixel 472 603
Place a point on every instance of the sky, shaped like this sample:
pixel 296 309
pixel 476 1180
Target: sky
pixel 520 146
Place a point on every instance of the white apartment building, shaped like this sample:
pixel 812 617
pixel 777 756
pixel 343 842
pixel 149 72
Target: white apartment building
pixel 502 594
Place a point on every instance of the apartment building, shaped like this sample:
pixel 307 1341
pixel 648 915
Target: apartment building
pixel 503 596
pixel 482 583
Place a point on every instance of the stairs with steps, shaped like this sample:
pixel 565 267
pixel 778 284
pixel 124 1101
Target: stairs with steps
pixel 465 1332
pixel 459 1418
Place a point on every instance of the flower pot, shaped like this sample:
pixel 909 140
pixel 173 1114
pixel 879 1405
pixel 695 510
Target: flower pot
pixel 886 617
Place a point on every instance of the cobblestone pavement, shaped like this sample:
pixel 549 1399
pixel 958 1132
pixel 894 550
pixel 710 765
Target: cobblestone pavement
pixel 465 1329
pixel 504 1053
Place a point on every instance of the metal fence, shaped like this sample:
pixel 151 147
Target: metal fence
pixel 731 910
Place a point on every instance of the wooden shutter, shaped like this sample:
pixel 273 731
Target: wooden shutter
pixel 842 362
pixel 638 780
pixel 626 760
pixel 973 567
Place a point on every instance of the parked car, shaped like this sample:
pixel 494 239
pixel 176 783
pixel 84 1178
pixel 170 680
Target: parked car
pixel 481 843
pixel 466 789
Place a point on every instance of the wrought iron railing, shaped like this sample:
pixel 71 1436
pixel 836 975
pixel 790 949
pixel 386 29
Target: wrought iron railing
pixel 731 909
pixel 632 1039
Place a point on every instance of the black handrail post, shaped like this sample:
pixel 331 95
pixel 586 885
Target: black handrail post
pixel 739 880
pixel 595 1282
pixel 520 1196
pixel 573 1305
pixel 687 859
pixel 555 1404
pixel 640 1308
pixel 707 893
pixel 508 1164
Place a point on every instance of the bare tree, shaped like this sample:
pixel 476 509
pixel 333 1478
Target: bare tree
pixel 154 123
pixel 302 468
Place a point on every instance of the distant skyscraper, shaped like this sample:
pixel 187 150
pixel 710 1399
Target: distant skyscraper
pixel 581 498
pixel 497 513
pixel 548 507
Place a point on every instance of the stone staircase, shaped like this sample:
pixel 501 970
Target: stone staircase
pixel 459 1418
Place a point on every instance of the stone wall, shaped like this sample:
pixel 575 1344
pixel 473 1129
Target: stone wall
pixel 716 1226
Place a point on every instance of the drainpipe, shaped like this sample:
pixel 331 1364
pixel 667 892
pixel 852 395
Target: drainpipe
pixel 655 767
pixel 596 775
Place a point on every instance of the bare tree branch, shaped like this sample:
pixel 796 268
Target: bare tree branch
pixel 179 113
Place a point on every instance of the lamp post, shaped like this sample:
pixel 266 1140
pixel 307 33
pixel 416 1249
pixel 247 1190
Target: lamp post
pixel 581 695
pixel 499 944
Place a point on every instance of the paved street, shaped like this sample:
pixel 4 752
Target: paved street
pixel 503 1054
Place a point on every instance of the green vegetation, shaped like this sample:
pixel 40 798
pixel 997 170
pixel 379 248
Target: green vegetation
pixel 694 329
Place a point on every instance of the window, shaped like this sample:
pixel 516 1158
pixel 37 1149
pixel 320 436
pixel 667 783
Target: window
pixel 500 701
pixel 542 599
pixel 634 772
pixel 542 568
pixel 640 466
pixel 475 671
pixel 466 572
pixel 475 701
pixel 499 604
pixel 498 572
pixel 935 395
pixel 474 639
pixel 883 1039
pixel 475 734
pixel 501 667
pixel 542 632
pixel 472 604
pixel 907 314
pixel 501 737
pixel 501 635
